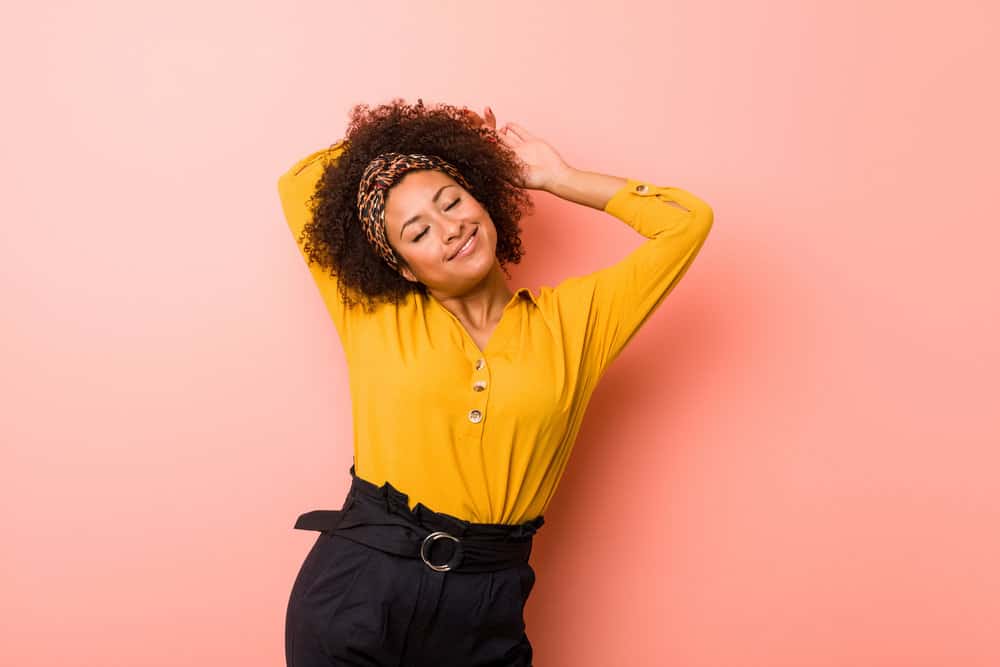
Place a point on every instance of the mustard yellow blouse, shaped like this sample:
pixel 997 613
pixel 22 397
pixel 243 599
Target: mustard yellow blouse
pixel 486 434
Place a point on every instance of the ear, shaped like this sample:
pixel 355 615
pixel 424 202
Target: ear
pixel 406 273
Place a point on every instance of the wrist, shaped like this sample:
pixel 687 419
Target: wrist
pixel 560 181
pixel 586 187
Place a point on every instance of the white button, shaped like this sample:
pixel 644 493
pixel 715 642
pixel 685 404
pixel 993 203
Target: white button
pixel 641 187
pixel 479 386
pixel 475 416
pixel 480 363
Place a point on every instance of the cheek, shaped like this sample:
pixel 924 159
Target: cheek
pixel 409 254
pixel 422 258
pixel 494 233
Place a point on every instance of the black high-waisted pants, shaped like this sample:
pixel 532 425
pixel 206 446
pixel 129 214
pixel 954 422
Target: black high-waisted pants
pixel 355 604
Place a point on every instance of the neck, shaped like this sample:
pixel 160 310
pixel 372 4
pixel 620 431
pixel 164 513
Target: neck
pixel 483 304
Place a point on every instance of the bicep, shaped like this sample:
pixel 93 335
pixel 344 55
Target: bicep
pixel 295 189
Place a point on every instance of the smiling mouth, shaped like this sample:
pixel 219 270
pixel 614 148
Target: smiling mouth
pixel 464 245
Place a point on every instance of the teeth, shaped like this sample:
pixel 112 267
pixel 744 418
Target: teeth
pixel 465 245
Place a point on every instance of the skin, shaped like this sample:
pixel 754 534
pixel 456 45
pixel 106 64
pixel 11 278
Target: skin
pixel 473 287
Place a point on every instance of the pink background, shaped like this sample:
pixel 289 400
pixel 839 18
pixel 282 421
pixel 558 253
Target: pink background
pixel 795 463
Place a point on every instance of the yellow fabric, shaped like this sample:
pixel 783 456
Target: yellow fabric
pixel 413 367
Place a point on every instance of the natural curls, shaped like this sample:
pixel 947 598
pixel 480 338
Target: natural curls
pixel 335 239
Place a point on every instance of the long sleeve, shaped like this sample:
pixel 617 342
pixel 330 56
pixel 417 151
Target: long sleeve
pixel 485 434
pixel 295 187
pixel 606 308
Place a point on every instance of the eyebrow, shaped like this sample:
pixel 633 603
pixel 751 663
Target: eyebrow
pixel 436 196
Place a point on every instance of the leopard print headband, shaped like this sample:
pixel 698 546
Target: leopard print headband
pixel 380 175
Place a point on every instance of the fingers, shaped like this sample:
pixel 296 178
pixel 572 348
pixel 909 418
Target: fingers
pixel 512 131
pixel 520 132
pixel 508 137
pixel 488 119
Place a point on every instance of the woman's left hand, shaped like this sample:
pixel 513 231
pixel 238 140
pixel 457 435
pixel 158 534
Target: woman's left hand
pixel 542 166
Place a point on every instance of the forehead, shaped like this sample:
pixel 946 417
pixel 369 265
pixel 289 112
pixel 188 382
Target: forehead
pixel 413 191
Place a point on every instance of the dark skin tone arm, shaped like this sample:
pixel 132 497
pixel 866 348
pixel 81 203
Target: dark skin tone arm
pixel 545 169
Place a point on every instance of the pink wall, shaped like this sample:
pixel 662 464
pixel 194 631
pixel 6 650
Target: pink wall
pixel 794 463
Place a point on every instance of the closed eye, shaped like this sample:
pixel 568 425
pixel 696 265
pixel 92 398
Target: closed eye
pixel 449 207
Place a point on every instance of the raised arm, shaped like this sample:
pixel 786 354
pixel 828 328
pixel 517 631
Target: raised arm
pixel 609 306
pixel 295 187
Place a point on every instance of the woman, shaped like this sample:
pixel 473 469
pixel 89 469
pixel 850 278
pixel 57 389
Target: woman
pixel 467 397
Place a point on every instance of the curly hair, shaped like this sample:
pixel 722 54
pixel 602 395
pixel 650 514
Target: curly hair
pixel 334 237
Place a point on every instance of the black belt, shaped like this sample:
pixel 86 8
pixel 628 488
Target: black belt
pixel 380 517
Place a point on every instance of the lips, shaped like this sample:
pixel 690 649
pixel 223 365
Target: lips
pixel 467 240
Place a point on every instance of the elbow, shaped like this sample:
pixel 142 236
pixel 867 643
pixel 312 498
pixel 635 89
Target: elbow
pixel 703 216
pixel 699 211
pixel 284 184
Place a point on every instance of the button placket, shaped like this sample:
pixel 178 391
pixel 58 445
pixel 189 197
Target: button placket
pixel 476 414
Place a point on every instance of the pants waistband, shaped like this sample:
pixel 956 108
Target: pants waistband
pixel 380 517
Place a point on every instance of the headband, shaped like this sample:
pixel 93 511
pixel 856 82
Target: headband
pixel 380 175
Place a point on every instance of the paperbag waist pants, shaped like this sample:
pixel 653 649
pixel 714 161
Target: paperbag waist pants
pixel 386 585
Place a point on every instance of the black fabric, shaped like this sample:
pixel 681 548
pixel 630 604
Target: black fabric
pixel 364 596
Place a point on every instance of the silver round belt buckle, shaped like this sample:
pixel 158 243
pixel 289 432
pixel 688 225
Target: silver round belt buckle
pixel 455 559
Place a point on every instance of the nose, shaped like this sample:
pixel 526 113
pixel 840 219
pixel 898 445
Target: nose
pixel 453 229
